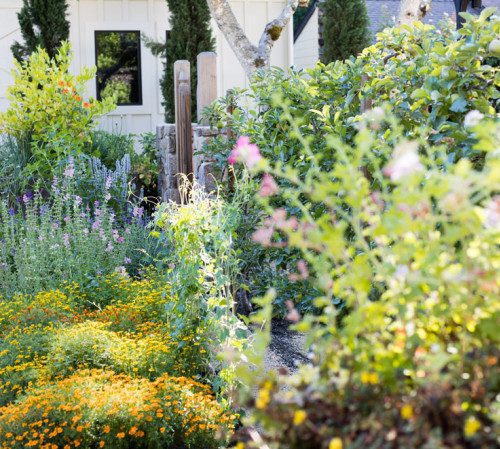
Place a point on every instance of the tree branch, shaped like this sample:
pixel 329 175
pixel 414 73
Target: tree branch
pixel 228 23
pixel 273 29
pixel 250 56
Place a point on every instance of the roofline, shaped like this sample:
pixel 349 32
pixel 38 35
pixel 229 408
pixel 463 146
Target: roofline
pixel 305 20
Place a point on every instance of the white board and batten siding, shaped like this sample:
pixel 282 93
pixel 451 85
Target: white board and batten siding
pixel 151 17
pixel 306 47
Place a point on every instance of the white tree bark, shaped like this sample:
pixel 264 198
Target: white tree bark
pixel 250 56
pixel 412 10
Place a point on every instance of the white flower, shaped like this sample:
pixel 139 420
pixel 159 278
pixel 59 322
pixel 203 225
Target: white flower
pixel 492 213
pixel 405 161
pixel 472 118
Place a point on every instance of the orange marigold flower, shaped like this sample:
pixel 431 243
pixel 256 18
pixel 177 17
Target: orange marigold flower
pixel 61 83
pixel 121 435
pixel 78 98
pixel 132 431
pixel 87 105
pixel 101 443
pixel 106 429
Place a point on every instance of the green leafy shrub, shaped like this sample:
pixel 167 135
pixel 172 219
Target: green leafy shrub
pixel 14 157
pixel 411 250
pixel 48 109
pixel 432 79
pixel 201 265
pixel 112 147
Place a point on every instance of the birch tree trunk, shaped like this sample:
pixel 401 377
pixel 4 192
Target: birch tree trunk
pixel 412 10
pixel 250 56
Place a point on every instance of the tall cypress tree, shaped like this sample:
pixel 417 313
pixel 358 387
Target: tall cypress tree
pixel 345 29
pixel 190 35
pixel 43 24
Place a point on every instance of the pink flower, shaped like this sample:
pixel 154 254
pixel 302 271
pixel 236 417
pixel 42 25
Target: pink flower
pixel 303 272
pixel 245 152
pixel 232 157
pixel 405 161
pixel 293 315
pixel 279 220
pixel 268 186
pixel 263 236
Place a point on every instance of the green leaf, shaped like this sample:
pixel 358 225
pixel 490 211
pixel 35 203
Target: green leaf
pixel 459 105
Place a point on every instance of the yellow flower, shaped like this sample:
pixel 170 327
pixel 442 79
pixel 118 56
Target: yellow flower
pixel 162 429
pixel 335 443
pixel 407 411
pixel 132 431
pixel 263 399
pixel 240 445
pixel 369 378
pixel 299 417
pixel 121 435
pixel 472 425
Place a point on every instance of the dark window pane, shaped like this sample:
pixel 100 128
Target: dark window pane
pixel 118 60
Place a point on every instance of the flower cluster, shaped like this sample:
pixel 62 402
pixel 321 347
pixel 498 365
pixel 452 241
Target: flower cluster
pixel 95 408
pixel 47 242
pixel 53 334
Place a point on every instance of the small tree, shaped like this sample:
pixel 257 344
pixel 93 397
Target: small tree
pixel 190 34
pixel 345 29
pixel 43 24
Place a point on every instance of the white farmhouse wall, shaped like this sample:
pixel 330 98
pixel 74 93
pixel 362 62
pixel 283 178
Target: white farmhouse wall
pixel 152 18
pixel 306 48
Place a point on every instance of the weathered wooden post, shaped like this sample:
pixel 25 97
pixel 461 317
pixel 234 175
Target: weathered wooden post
pixel 206 91
pixel 183 125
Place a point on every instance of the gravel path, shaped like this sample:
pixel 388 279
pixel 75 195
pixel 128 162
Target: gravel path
pixel 286 348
